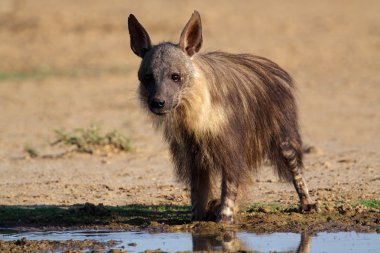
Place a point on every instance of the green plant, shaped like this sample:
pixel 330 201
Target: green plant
pixel 270 207
pixel 31 151
pixel 91 139
pixel 369 203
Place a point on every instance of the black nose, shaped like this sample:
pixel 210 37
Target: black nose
pixel 158 103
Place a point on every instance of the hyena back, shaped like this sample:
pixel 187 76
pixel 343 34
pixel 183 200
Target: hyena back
pixel 222 114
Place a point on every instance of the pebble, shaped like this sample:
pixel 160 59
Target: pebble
pixel 347 161
pixel 312 150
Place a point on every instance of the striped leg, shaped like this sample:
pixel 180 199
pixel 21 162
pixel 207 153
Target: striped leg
pixel 229 194
pixel 294 164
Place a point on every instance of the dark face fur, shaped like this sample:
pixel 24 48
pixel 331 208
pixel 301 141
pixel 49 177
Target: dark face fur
pixel 166 68
pixel 164 72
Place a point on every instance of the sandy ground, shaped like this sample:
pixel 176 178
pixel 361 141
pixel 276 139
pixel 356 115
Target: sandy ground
pixel 332 49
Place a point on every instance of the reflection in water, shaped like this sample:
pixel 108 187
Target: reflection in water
pixel 304 246
pixel 228 241
pixel 344 242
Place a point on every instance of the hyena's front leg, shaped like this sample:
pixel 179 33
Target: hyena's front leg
pixel 229 194
pixel 200 191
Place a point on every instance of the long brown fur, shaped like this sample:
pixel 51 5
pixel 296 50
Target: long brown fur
pixel 233 112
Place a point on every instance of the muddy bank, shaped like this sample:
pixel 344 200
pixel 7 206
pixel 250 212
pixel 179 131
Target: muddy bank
pixel 261 218
pixel 24 245
pixel 77 70
pixel 258 218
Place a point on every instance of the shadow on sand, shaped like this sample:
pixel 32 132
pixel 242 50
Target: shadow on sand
pixel 92 215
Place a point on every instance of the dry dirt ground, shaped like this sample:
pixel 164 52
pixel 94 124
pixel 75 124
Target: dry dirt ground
pixel 67 64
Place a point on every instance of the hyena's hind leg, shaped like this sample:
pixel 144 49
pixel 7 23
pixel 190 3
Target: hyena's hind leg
pixel 288 161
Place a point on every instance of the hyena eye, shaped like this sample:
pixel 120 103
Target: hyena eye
pixel 176 77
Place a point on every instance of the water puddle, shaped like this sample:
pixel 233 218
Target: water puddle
pixel 230 241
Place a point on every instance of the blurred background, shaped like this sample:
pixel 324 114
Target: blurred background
pixel 68 64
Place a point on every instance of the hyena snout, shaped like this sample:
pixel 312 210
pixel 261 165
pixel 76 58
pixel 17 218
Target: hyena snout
pixel 157 103
pixel 163 98
pixel 161 105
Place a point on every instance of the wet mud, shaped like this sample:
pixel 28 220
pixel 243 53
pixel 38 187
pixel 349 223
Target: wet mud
pixel 263 218
pixel 24 245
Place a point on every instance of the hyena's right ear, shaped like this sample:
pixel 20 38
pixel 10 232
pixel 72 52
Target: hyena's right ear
pixel 140 41
pixel 191 36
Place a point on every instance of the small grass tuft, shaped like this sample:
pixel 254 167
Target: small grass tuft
pixel 369 203
pixel 270 208
pixel 276 207
pixel 91 139
pixel 31 151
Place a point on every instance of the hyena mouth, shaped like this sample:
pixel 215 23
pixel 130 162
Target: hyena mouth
pixel 161 112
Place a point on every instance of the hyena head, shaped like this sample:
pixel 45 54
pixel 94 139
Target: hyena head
pixel 166 69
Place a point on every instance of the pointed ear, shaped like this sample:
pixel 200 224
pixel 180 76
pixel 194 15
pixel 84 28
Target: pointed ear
pixel 191 37
pixel 140 41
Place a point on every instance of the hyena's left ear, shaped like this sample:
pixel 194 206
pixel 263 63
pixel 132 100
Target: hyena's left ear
pixel 140 40
pixel 191 36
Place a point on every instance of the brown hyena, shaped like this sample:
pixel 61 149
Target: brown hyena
pixel 222 114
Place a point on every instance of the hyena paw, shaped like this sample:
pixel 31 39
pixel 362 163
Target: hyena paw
pixel 310 208
pixel 215 212
pixel 198 213
pixel 213 208
pixel 225 214
pixel 210 212
pixel 225 218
